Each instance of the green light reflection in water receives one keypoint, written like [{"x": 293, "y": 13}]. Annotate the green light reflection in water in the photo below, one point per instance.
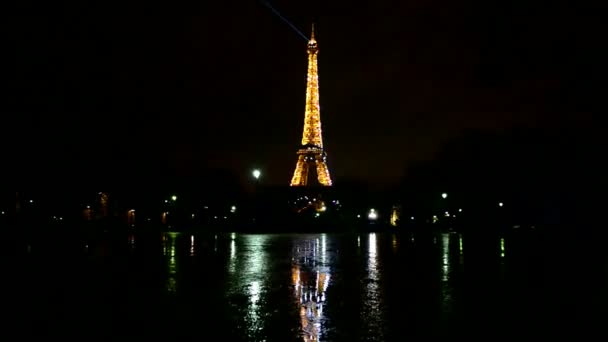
[{"x": 169, "y": 251}]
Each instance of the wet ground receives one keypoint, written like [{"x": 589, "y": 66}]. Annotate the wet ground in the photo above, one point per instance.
[{"x": 311, "y": 287}]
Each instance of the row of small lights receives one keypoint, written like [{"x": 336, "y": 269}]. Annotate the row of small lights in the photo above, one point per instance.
[
  {"x": 256, "y": 173},
  {"x": 373, "y": 214}
]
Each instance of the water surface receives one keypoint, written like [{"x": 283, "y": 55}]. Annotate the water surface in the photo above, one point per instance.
[{"x": 305, "y": 287}]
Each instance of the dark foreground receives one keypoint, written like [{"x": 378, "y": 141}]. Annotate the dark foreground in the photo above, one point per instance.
[{"x": 294, "y": 287}]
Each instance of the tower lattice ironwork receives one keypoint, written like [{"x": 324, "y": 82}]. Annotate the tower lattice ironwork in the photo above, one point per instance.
[{"x": 311, "y": 154}]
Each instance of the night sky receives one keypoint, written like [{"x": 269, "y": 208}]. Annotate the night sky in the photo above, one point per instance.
[{"x": 176, "y": 88}]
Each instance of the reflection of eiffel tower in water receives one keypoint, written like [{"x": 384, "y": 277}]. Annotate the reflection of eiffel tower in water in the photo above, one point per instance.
[
  {"x": 311, "y": 154},
  {"x": 310, "y": 286}
]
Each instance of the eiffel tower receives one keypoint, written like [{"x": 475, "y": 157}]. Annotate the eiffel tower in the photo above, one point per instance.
[{"x": 311, "y": 154}]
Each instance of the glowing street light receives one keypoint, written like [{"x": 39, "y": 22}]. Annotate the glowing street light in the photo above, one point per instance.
[
  {"x": 372, "y": 215},
  {"x": 174, "y": 198},
  {"x": 256, "y": 174},
  {"x": 444, "y": 195},
  {"x": 500, "y": 204}
]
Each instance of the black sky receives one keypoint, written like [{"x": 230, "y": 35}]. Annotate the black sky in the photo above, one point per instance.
[{"x": 173, "y": 87}]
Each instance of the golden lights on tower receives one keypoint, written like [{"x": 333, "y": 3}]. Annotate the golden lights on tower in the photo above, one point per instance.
[{"x": 312, "y": 153}]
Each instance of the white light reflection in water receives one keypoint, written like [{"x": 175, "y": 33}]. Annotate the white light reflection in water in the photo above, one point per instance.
[
  {"x": 254, "y": 293},
  {"x": 232, "y": 261},
  {"x": 373, "y": 249},
  {"x": 310, "y": 279},
  {"x": 192, "y": 251},
  {"x": 248, "y": 276},
  {"x": 445, "y": 259},
  {"x": 323, "y": 248},
  {"x": 446, "y": 271},
  {"x": 460, "y": 249},
  {"x": 372, "y": 310}
]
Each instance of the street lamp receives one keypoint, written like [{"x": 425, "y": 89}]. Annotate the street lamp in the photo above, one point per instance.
[
  {"x": 174, "y": 198},
  {"x": 444, "y": 195},
  {"x": 256, "y": 174}
]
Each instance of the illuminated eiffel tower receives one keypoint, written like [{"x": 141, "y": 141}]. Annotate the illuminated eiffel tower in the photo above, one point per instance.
[{"x": 311, "y": 154}]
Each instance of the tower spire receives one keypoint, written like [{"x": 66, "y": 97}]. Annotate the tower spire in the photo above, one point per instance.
[
  {"x": 311, "y": 154},
  {"x": 312, "y": 35}
]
